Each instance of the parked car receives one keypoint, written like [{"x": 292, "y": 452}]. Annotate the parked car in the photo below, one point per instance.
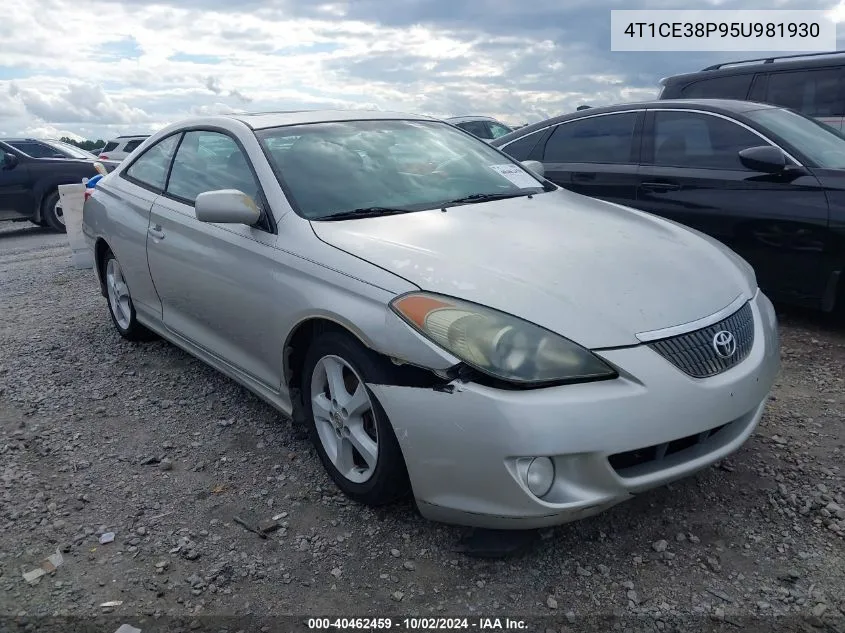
[
  {"x": 810, "y": 83},
  {"x": 29, "y": 185},
  {"x": 48, "y": 148},
  {"x": 766, "y": 181},
  {"x": 481, "y": 126},
  {"x": 119, "y": 148},
  {"x": 515, "y": 354}
]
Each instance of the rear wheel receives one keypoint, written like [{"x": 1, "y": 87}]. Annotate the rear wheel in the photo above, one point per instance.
[
  {"x": 52, "y": 213},
  {"x": 121, "y": 308},
  {"x": 350, "y": 430}
]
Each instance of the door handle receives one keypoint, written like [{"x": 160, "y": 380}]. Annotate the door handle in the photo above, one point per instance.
[
  {"x": 583, "y": 177},
  {"x": 157, "y": 232},
  {"x": 660, "y": 186}
]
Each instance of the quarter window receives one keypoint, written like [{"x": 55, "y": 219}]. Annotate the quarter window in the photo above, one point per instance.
[
  {"x": 209, "y": 161},
  {"x": 598, "y": 139},
  {"x": 109, "y": 147},
  {"x": 727, "y": 87},
  {"x": 521, "y": 148},
  {"x": 131, "y": 146},
  {"x": 811, "y": 92},
  {"x": 691, "y": 139},
  {"x": 150, "y": 168}
]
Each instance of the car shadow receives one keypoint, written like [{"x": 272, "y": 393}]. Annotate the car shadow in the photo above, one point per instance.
[
  {"x": 810, "y": 319},
  {"x": 28, "y": 229}
]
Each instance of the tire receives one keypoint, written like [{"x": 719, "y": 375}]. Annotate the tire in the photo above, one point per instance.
[
  {"x": 121, "y": 308},
  {"x": 370, "y": 481},
  {"x": 51, "y": 212}
]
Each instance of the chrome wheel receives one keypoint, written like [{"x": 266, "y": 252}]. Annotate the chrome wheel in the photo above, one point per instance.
[
  {"x": 344, "y": 419},
  {"x": 59, "y": 212},
  {"x": 119, "y": 300}
]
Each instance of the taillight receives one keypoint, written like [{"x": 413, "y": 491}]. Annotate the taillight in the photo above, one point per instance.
[
  {"x": 87, "y": 195},
  {"x": 103, "y": 157}
]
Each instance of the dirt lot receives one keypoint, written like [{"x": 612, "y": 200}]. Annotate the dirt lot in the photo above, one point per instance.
[{"x": 98, "y": 435}]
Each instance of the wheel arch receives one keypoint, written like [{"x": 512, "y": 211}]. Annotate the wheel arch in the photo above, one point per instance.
[
  {"x": 101, "y": 247},
  {"x": 308, "y": 328}
]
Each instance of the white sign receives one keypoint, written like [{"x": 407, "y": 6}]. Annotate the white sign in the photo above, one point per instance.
[
  {"x": 516, "y": 175},
  {"x": 722, "y": 30}
]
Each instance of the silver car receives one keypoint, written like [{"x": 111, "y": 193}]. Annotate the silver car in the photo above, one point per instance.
[{"x": 443, "y": 320}]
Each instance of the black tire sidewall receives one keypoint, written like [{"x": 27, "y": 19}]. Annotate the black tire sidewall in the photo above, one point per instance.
[
  {"x": 389, "y": 481},
  {"x": 48, "y": 213}
]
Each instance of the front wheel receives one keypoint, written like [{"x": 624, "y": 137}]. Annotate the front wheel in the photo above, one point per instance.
[
  {"x": 350, "y": 430},
  {"x": 52, "y": 213}
]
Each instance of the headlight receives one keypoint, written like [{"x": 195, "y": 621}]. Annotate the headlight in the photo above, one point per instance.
[{"x": 499, "y": 344}]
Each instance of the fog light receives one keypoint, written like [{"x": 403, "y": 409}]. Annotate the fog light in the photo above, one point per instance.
[{"x": 540, "y": 476}]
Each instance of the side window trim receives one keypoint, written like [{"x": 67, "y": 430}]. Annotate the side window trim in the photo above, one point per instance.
[
  {"x": 648, "y": 158},
  {"x": 262, "y": 197},
  {"x": 637, "y": 111},
  {"x": 145, "y": 185}
]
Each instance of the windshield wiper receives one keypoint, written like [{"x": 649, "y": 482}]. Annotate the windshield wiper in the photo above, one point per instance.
[
  {"x": 365, "y": 212},
  {"x": 487, "y": 197}
]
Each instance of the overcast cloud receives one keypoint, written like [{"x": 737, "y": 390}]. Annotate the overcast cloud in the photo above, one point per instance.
[{"x": 98, "y": 69}]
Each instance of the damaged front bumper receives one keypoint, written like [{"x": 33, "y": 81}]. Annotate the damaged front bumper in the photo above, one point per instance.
[{"x": 607, "y": 440}]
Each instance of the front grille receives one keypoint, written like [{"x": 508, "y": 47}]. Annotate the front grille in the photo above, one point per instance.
[{"x": 695, "y": 353}]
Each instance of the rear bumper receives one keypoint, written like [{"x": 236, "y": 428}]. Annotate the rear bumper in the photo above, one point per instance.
[{"x": 463, "y": 449}]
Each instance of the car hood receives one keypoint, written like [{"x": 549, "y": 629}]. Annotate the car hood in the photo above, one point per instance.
[{"x": 595, "y": 272}]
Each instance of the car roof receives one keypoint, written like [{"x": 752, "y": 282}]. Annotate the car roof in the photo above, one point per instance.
[
  {"x": 21, "y": 139},
  {"x": 263, "y": 120},
  {"x": 730, "y": 106},
  {"x": 768, "y": 64}
]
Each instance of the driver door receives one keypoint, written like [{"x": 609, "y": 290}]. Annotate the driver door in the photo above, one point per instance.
[{"x": 216, "y": 281}]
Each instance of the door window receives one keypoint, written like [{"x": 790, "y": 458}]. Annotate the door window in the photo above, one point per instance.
[
  {"x": 692, "y": 139},
  {"x": 150, "y": 168},
  {"x": 476, "y": 128},
  {"x": 34, "y": 149},
  {"x": 209, "y": 161},
  {"x": 726, "y": 87},
  {"x": 812, "y": 92},
  {"x": 598, "y": 139}
]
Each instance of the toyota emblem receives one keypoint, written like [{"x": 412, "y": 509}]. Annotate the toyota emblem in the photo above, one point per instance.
[{"x": 724, "y": 343}]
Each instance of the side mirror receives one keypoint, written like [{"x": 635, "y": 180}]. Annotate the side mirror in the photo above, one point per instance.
[
  {"x": 535, "y": 166},
  {"x": 227, "y": 206},
  {"x": 10, "y": 161},
  {"x": 768, "y": 159}
]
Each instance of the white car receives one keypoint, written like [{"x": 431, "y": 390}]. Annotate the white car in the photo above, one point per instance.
[
  {"x": 512, "y": 354},
  {"x": 119, "y": 148}
]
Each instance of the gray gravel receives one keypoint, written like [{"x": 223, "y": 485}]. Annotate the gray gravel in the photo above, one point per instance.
[{"x": 101, "y": 436}]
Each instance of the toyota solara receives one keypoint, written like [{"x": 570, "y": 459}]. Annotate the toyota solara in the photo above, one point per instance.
[{"x": 443, "y": 320}]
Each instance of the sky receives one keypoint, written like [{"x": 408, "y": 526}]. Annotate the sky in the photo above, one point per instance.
[{"x": 98, "y": 69}]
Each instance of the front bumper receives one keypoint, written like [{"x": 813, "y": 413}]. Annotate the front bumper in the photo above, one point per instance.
[{"x": 462, "y": 448}]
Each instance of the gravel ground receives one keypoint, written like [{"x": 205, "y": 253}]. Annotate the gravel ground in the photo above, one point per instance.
[{"x": 100, "y": 436}]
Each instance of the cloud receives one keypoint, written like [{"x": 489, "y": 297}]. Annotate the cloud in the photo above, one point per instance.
[{"x": 150, "y": 62}]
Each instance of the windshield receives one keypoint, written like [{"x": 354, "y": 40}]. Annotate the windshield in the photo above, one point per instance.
[
  {"x": 338, "y": 167},
  {"x": 819, "y": 142},
  {"x": 69, "y": 150}
]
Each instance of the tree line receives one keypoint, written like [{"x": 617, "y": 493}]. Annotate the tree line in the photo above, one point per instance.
[{"x": 86, "y": 145}]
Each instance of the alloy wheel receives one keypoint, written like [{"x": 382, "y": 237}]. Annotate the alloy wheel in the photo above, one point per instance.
[
  {"x": 344, "y": 418},
  {"x": 118, "y": 291}
]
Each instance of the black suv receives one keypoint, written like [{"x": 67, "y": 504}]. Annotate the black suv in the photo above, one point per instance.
[
  {"x": 29, "y": 186},
  {"x": 811, "y": 84},
  {"x": 766, "y": 181}
]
